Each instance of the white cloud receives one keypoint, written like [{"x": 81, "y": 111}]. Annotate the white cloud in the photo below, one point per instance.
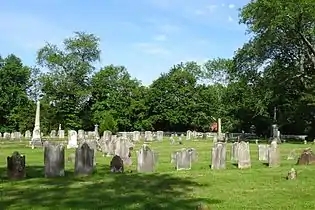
[
  {"x": 212, "y": 7},
  {"x": 230, "y": 19},
  {"x": 223, "y": 5},
  {"x": 29, "y": 32},
  {"x": 151, "y": 48},
  {"x": 199, "y": 12},
  {"x": 160, "y": 37},
  {"x": 231, "y": 6}
]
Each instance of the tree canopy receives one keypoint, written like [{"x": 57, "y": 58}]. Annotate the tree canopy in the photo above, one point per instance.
[{"x": 274, "y": 69}]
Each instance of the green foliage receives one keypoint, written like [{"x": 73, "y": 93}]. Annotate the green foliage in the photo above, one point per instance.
[{"x": 275, "y": 68}]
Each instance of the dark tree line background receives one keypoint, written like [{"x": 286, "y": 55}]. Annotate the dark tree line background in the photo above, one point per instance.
[{"x": 274, "y": 69}]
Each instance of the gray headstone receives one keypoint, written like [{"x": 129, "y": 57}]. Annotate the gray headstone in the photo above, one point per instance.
[
  {"x": 262, "y": 152},
  {"x": 244, "y": 155},
  {"x": 147, "y": 159},
  {"x": 183, "y": 160},
  {"x": 16, "y": 166},
  {"x": 234, "y": 152},
  {"x": 274, "y": 155},
  {"x": 84, "y": 157},
  {"x": 54, "y": 158},
  {"x": 218, "y": 155}
]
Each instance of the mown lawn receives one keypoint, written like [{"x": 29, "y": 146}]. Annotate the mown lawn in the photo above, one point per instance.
[{"x": 257, "y": 188}]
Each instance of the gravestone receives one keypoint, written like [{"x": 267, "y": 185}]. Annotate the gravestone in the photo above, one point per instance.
[
  {"x": 183, "y": 160},
  {"x": 218, "y": 155},
  {"x": 81, "y": 135},
  {"x": 147, "y": 159},
  {"x": 7, "y": 135},
  {"x": 122, "y": 149},
  {"x": 93, "y": 145},
  {"x": 16, "y": 166},
  {"x": 28, "y": 134},
  {"x": 72, "y": 139},
  {"x": 188, "y": 135},
  {"x": 172, "y": 140},
  {"x": 53, "y": 134},
  {"x": 159, "y": 135},
  {"x": 136, "y": 136},
  {"x": 148, "y": 136},
  {"x": 117, "y": 165},
  {"x": 84, "y": 157},
  {"x": 274, "y": 154},
  {"x": 234, "y": 151},
  {"x": 54, "y": 159},
  {"x": 244, "y": 155},
  {"x": 307, "y": 157},
  {"x": 263, "y": 152}
]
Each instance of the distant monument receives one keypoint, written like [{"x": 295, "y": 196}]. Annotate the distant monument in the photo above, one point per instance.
[{"x": 36, "y": 137}]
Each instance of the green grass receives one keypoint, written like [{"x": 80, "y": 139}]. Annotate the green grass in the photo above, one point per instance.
[{"x": 257, "y": 188}]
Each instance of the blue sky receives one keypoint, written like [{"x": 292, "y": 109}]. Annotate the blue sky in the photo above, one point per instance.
[{"x": 146, "y": 36}]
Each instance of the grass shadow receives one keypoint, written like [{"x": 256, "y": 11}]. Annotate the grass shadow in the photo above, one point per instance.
[{"x": 101, "y": 190}]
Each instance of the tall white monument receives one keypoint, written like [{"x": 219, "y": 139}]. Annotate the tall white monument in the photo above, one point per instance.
[{"x": 36, "y": 138}]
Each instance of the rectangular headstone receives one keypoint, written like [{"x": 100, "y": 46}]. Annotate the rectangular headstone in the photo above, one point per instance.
[
  {"x": 147, "y": 159},
  {"x": 54, "y": 158},
  {"x": 262, "y": 152},
  {"x": 84, "y": 157},
  {"x": 244, "y": 155},
  {"x": 218, "y": 156}
]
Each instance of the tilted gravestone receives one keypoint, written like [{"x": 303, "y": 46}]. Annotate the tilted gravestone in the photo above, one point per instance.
[
  {"x": 16, "y": 166},
  {"x": 84, "y": 157},
  {"x": 54, "y": 159},
  {"x": 147, "y": 159},
  {"x": 218, "y": 156}
]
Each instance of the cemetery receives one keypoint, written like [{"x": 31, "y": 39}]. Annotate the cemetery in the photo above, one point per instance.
[{"x": 233, "y": 128}]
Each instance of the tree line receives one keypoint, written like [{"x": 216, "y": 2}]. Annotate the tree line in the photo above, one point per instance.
[{"x": 274, "y": 70}]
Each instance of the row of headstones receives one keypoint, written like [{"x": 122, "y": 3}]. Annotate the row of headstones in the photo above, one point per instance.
[
  {"x": 240, "y": 153},
  {"x": 13, "y": 135},
  {"x": 54, "y": 161}
]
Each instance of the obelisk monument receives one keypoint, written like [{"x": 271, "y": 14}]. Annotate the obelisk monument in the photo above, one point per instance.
[{"x": 36, "y": 138}]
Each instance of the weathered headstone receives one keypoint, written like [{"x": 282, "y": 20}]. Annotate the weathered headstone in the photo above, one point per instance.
[
  {"x": 159, "y": 135},
  {"x": 54, "y": 158},
  {"x": 117, "y": 165},
  {"x": 218, "y": 155},
  {"x": 234, "y": 151},
  {"x": 274, "y": 154},
  {"x": 72, "y": 139},
  {"x": 53, "y": 134},
  {"x": 147, "y": 159},
  {"x": 244, "y": 155},
  {"x": 263, "y": 152},
  {"x": 16, "y": 166},
  {"x": 183, "y": 160},
  {"x": 84, "y": 157},
  {"x": 28, "y": 134},
  {"x": 307, "y": 157}
]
